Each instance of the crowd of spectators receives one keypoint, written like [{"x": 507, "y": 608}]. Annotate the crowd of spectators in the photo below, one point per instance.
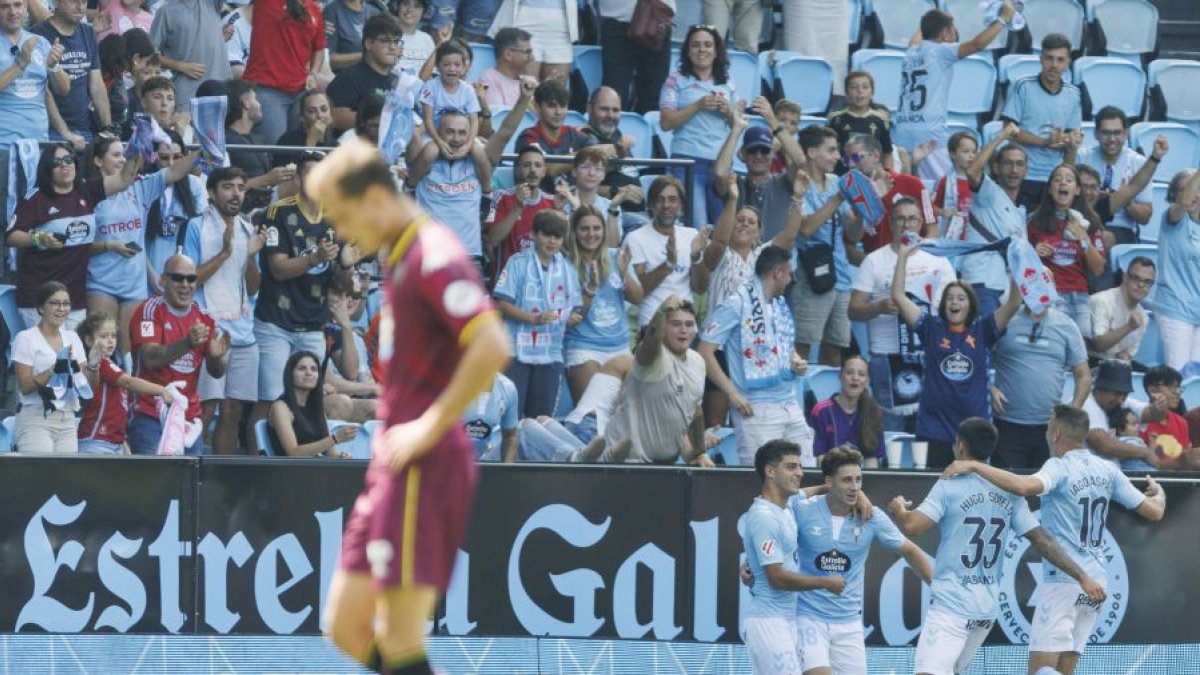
[{"x": 649, "y": 313}]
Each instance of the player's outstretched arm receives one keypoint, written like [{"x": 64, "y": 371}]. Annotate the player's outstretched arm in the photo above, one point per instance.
[
  {"x": 1155, "y": 506},
  {"x": 1045, "y": 544},
  {"x": 791, "y": 581},
  {"x": 1026, "y": 486},
  {"x": 911, "y": 523},
  {"x": 918, "y": 560}
]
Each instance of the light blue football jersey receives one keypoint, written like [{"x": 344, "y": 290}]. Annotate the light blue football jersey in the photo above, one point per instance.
[{"x": 769, "y": 538}]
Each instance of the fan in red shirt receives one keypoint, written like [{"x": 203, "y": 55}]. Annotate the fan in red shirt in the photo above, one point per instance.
[
  {"x": 442, "y": 343},
  {"x": 171, "y": 339},
  {"x": 1165, "y": 381},
  {"x": 864, "y": 153},
  {"x": 1068, "y": 237},
  {"x": 289, "y": 50},
  {"x": 511, "y": 230}
]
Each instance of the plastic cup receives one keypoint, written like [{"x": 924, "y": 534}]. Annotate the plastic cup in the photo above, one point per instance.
[
  {"x": 920, "y": 451},
  {"x": 895, "y": 454}
]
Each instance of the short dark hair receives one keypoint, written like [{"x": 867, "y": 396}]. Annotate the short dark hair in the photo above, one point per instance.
[
  {"x": 381, "y": 25},
  {"x": 47, "y": 290},
  {"x": 453, "y": 46},
  {"x": 1056, "y": 41},
  {"x": 857, "y": 74},
  {"x": 138, "y": 43},
  {"x": 663, "y": 182},
  {"x": 1116, "y": 416},
  {"x": 1072, "y": 421},
  {"x": 770, "y": 258},
  {"x": 1141, "y": 261},
  {"x": 155, "y": 83},
  {"x": 235, "y": 90},
  {"x": 838, "y": 457},
  {"x": 814, "y": 136},
  {"x": 550, "y": 221},
  {"x": 507, "y": 38},
  {"x": 551, "y": 91},
  {"x": 979, "y": 436},
  {"x": 933, "y": 22},
  {"x": 531, "y": 147},
  {"x": 1010, "y": 147},
  {"x": 222, "y": 174},
  {"x": 1112, "y": 112},
  {"x": 772, "y": 453},
  {"x": 1160, "y": 375}
]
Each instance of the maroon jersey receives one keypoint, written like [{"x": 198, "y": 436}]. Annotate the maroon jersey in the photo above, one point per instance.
[
  {"x": 105, "y": 416},
  {"x": 71, "y": 218},
  {"x": 154, "y": 322}
]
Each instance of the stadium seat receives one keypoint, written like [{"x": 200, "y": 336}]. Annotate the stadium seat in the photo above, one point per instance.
[
  {"x": 358, "y": 447},
  {"x": 483, "y": 57},
  {"x": 1013, "y": 67},
  {"x": 1190, "y": 393},
  {"x": 7, "y": 442},
  {"x": 885, "y": 66},
  {"x": 968, "y": 18},
  {"x": 823, "y": 381},
  {"x": 906, "y": 439},
  {"x": 1184, "y": 141},
  {"x": 990, "y": 129},
  {"x": 1121, "y": 254},
  {"x": 727, "y": 449},
  {"x": 807, "y": 80},
  {"x": 527, "y": 120},
  {"x": 588, "y": 63},
  {"x": 856, "y": 15},
  {"x": 743, "y": 74},
  {"x": 1176, "y": 79},
  {"x": 973, "y": 88},
  {"x": 859, "y": 330},
  {"x": 1149, "y": 231},
  {"x": 1054, "y": 16},
  {"x": 1111, "y": 81},
  {"x": 901, "y": 19},
  {"x": 1150, "y": 351},
  {"x": 766, "y": 67},
  {"x": 810, "y": 120},
  {"x": 1130, "y": 28},
  {"x": 664, "y": 137},
  {"x": 263, "y": 439},
  {"x": 1139, "y": 386},
  {"x": 687, "y": 14},
  {"x": 636, "y": 127},
  {"x": 575, "y": 119},
  {"x": 502, "y": 177}
]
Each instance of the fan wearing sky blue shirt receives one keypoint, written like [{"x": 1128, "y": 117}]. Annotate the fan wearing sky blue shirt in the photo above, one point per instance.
[
  {"x": 834, "y": 541},
  {"x": 926, "y": 75},
  {"x": 769, "y": 541},
  {"x": 976, "y": 520},
  {"x": 1076, "y": 488},
  {"x": 491, "y": 422}
]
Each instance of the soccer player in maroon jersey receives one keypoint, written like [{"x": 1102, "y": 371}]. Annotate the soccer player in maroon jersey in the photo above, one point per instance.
[{"x": 403, "y": 534}]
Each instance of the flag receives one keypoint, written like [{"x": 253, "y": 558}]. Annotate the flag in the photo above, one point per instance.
[{"x": 208, "y": 120}]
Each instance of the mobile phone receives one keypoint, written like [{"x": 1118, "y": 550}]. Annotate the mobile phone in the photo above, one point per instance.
[
  {"x": 133, "y": 245},
  {"x": 61, "y": 236}
]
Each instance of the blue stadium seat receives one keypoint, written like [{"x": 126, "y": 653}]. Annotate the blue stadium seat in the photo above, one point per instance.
[
  {"x": 358, "y": 447},
  {"x": 1184, "y": 141},
  {"x": 1013, "y": 67},
  {"x": 483, "y": 57},
  {"x": 900, "y": 19},
  {"x": 810, "y": 120},
  {"x": 687, "y": 14},
  {"x": 1149, "y": 231},
  {"x": 1138, "y": 380},
  {"x": 1054, "y": 16},
  {"x": 502, "y": 177},
  {"x": 664, "y": 137},
  {"x": 974, "y": 87},
  {"x": 727, "y": 449},
  {"x": 1112, "y": 81},
  {"x": 823, "y": 381},
  {"x": 575, "y": 119},
  {"x": 589, "y": 64},
  {"x": 636, "y": 126},
  {"x": 527, "y": 120},
  {"x": 1130, "y": 27},
  {"x": 766, "y": 67},
  {"x": 646, "y": 180},
  {"x": 1177, "y": 79},
  {"x": 1150, "y": 351},
  {"x": 885, "y": 66},
  {"x": 743, "y": 74},
  {"x": 968, "y": 18},
  {"x": 1121, "y": 254},
  {"x": 1191, "y": 392},
  {"x": 263, "y": 439},
  {"x": 807, "y": 80},
  {"x": 856, "y": 15},
  {"x": 990, "y": 129},
  {"x": 6, "y": 435}
]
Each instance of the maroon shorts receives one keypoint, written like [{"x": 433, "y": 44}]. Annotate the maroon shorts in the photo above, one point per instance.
[{"x": 406, "y": 527}]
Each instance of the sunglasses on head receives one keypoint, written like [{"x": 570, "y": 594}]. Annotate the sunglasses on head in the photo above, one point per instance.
[
  {"x": 66, "y": 160},
  {"x": 181, "y": 278}
]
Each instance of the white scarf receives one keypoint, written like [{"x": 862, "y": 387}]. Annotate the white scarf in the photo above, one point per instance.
[
  {"x": 225, "y": 297},
  {"x": 767, "y": 337}
]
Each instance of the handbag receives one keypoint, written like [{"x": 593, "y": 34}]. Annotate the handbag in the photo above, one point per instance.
[
  {"x": 818, "y": 264},
  {"x": 650, "y": 25}
]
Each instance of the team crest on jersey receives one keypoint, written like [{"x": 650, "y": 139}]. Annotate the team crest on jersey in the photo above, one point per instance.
[
  {"x": 767, "y": 547},
  {"x": 462, "y": 298},
  {"x": 272, "y": 236},
  {"x": 1022, "y": 579},
  {"x": 147, "y": 328}
]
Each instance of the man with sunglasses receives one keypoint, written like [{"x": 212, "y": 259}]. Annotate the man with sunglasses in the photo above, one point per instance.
[
  {"x": 381, "y": 49},
  {"x": 171, "y": 339},
  {"x": 865, "y": 153}
]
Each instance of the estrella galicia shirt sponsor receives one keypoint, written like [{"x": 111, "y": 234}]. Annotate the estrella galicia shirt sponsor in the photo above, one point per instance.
[
  {"x": 298, "y": 304},
  {"x": 955, "y": 383}
]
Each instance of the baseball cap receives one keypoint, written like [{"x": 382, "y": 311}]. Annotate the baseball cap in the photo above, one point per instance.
[{"x": 757, "y": 137}]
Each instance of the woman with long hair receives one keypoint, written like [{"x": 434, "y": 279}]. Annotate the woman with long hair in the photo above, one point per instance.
[
  {"x": 55, "y": 227},
  {"x": 1069, "y": 238},
  {"x": 296, "y": 421},
  {"x": 851, "y": 416},
  {"x": 47, "y": 358},
  {"x": 116, "y": 279},
  {"x": 288, "y": 55},
  {"x": 957, "y": 345},
  {"x": 695, "y": 104},
  {"x": 608, "y": 283},
  {"x": 168, "y": 216}
]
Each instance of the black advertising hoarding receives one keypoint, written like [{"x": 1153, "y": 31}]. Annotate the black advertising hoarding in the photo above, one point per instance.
[
  {"x": 248, "y": 547},
  {"x": 97, "y": 544}
]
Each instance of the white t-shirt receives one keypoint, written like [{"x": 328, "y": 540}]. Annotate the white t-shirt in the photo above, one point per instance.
[
  {"x": 649, "y": 247},
  {"x": 926, "y": 276},
  {"x": 31, "y": 349},
  {"x": 656, "y": 406},
  {"x": 731, "y": 274},
  {"x": 1108, "y": 310},
  {"x": 417, "y": 48}
]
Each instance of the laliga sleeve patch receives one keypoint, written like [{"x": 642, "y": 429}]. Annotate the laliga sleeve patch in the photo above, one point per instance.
[
  {"x": 272, "y": 236},
  {"x": 462, "y": 298},
  {"x": 147, "y": 329},
  {"x": 767, "y": 547}
]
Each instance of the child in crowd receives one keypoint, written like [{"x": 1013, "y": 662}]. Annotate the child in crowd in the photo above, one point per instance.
[
  {"x": 449, "y": 91},
  {"x": 788, "y": 113},
  {"x": 123, "y": 15},
  {"x": 538, "y": 293},
  {"x": 105, "y": 417},
  {"x": 953, "y": 199},
  {"x": 550, "y": 101},
  {"x": 862, "y": 115},
  {"x": 1124, "y": 425}
]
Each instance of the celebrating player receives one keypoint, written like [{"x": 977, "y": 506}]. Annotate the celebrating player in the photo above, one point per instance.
[
  {"x": 976, "y": 520},
  {"x": 835, "y": 541},
  {"x": 769, "y": 539},
  {"x": 1076, "y": 487},
  {"x": 402, "y": 537}
]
